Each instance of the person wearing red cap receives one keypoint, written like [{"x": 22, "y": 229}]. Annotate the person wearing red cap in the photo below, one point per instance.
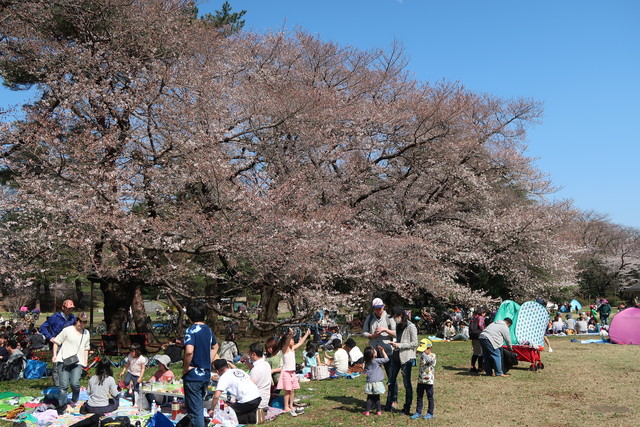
[
  {"x": 55, "y": 324},
  {"x": 605, "y": 312}
]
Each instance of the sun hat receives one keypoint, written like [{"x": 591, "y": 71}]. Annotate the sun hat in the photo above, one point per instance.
[
  {"x": 164, "y": 359},
  {"x": 424, "y": 344},
  {"x": 377, "y": 303}
]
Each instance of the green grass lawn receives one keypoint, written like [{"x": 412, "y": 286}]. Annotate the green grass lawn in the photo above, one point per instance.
[{"x": 582, "y": 384}]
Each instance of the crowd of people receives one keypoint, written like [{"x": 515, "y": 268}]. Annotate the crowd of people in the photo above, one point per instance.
[{"x": 393, "y": 350}]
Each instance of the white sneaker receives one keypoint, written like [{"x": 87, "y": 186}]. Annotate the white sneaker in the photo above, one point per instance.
[
  {"x": 550, "y": 350},
  {"x": 293, "y": 413}
]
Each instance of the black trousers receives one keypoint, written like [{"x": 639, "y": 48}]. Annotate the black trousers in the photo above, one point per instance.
[
  {"x": 246, "y": 412},
  {"x": 420, "y": 391}
]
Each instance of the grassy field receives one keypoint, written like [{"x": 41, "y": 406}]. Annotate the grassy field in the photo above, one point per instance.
[{"x": 582, "y": 384}]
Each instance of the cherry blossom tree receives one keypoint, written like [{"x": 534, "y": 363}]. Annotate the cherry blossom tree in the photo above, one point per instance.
[{"x": 162, "y": 152}]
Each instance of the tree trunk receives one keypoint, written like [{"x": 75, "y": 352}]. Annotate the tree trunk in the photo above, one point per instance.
[
  {"x": 79, "y": 293},
  {"x": 47, "y": 298},
  {"x": 178, "y": 306},
  {"x": 140, "y": 319},
  {"x": 212, "y": 317},
  {"x": 268, "y": 309},
  {"x": 117, "y": 300}
]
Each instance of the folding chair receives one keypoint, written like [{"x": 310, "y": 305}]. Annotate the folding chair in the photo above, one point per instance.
[{"x": 141, "y": 339}]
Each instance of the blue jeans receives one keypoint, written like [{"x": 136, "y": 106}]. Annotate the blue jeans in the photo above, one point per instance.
[
  {"x": 394, "y": 369},
  {"x": 492, "y": 357},
  {"x": 70, "y": 375},
  {"x": 194, "y": 392}
]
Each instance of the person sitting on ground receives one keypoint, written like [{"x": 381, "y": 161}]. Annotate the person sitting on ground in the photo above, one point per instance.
[
  {"x": 311, "y": 357},
  {"x": 592, "y": 326},
  {"x": 23, "y": 346},
  {"x": 174, "y": 350},
  {"x": 340, "y": 359},
  {"x": 37, "y": 340},
  {"x": 582, "y": 326},
  {"x": 558, "y": 325},
  {"x": 103, "y": 392},
  {"x": 229, "y": 348},
  {"x": 10, "y": 370},
  {"x": 448, "y": 331},
  {"x": 238, "y": 383},
  {"x": 463, "y": 332},
  {"x": 162, "y": 375},
  {"x": 571, "y": 325},
  {"x": 356, "y": 358},
  {"x": 4, "y": 353},
  {"x": 260, "y": 373}
]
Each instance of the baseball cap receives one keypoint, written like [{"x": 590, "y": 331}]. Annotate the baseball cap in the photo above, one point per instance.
[
  {"x": 377, "y": 303},
  {"x": 68, "y": 304},
  {"x": 424, "y": 343}
]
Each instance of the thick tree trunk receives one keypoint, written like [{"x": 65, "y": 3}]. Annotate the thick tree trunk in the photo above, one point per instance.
[
  {"x": 212, "y": 317},
  {"x": 117, "y": 300},
  {"x": 268, "y": 310},
  {"x": 140, "y": 319}
]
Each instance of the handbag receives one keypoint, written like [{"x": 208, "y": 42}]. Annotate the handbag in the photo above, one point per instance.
[{"x": 72, "y": 360}]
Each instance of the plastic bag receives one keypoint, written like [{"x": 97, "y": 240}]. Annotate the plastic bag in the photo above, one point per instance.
[
  {"x": 226, "y": 417},
  {"x": 159, "y": 420},
  {"x": 35, "y": 369}
]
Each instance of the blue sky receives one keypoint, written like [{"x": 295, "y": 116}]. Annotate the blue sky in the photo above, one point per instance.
[{"x": 580, "y": 58}]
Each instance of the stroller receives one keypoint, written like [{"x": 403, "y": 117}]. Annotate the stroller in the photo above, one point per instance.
[{"x": 529, "y": 354}]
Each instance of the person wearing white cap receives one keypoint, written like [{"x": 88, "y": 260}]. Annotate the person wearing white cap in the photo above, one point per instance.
[{"x": 380, "y": 329}]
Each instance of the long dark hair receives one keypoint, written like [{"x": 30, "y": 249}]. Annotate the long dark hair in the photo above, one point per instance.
[
  {"x": 311, "y": 349},
  {"x": 404, "y": 321},
  {"x": 368, "y": 353},
  {"x": 103, "y": 370}
]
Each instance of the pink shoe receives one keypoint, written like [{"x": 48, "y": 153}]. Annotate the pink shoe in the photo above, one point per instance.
[
  {"x": 378, "y": 413},
  {"x": 365, "y": 413}
]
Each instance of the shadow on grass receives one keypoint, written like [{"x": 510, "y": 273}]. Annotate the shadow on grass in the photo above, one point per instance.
[
  {"x": 349, "y": 403},
  {"x": 462, "y": 371}
]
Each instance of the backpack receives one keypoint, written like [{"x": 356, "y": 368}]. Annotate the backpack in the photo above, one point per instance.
[{"x": 474, "y": 328}]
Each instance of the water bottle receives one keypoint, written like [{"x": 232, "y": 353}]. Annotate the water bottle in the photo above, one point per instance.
[{"x": 154, "y": 407}]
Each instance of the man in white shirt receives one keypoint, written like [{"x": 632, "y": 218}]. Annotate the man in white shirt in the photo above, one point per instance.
[
  {"x": 238, "y": 383},
  {"x": 260, "y": 373}
]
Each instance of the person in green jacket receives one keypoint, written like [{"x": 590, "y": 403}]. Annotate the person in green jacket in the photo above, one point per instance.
[{"x": 605, "y": 311}]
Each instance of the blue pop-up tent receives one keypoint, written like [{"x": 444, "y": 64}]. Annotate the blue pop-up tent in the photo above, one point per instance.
[{"x": 575, "y": 305}]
